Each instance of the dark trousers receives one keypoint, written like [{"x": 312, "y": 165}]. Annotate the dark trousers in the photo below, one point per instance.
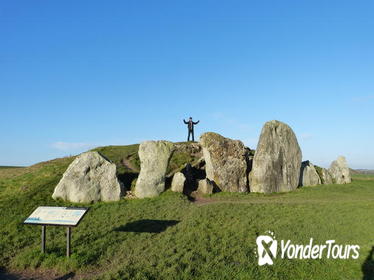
[{"x": 190, "y": 132}]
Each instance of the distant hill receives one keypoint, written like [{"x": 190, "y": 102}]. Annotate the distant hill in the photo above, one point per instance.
[{"x": 363, "y": 171}]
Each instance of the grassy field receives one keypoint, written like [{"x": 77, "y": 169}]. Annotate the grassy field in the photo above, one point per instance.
[{"x": 169, "y": 237}]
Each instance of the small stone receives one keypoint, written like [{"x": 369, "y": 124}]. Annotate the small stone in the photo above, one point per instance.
[
  {"x": 177, "y": 184},
  {"x": 205, "y": 186}
]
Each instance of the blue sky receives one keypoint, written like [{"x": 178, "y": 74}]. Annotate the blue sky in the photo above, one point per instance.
[{"x": 79, "y": 74}]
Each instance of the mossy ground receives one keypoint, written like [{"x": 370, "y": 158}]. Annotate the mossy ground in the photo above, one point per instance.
[{"x": 169, "y": 237}]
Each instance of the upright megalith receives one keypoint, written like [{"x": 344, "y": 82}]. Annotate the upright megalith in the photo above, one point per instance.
[
  {"x": 178, "y": 182},
  {"x": 309, "y": 175},
  {"x": 154, "y": 159},
  {"x": 225, "y": 161},
  {"x": 326, "y": 177},
  {"x": 339, "y": 171},
  {"x": 89, "y": 178},
  {"x": 277, "y": 160}
]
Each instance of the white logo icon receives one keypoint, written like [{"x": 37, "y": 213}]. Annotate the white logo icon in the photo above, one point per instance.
[{"x": 266, "y": 248}]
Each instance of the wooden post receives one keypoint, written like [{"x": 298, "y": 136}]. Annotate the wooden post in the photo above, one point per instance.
[
  {"x": 43, "y": 239},
  {"x": 68, "y": 237}
]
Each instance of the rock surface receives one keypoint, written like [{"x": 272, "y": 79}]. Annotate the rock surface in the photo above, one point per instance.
[
  {"x": 205, "y": 186},
  {"x": 191, "y": 148},
  {"x": 309, "y": 175},
  {"x": 326, "y": 177},
  {"x": 339, "y": 171},
  {"x": 89, "y": 178},
  {"x": 277, "y": 160},
  {"x": 225, "y": 162},
  {"x": 177, "y": 184},
  {"x": 154, "y": 159}
]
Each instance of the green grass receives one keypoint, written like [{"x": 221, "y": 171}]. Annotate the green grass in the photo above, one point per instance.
[
  {"x": 118, "y": 154},
  {"x": 127, "y": 161},
  {"x": 169, "y": 237},
  {"x": 363, "y": 176}
]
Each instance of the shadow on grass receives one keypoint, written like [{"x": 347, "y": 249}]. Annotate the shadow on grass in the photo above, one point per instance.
[
  {"x": 8, "y": 276},
  {"x": 66, "y": 276},
  {"x": 4, "y": 275},
  {"x": 151, "y": 226},
  {"x": 368, "y": 266}
]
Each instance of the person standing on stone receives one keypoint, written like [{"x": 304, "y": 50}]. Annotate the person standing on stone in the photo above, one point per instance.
[{"x": 190, "y": 125}]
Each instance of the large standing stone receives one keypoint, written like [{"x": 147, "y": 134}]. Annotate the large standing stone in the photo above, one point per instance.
[
  {"x": 89, "y": 178},
  {"x": 277, "y": 160},
  {"x": 225, "y": 162},
  {"x": 326, "y": 177},
  {"x": 177, "y": 184},
  {"x": 154, "y": 159},
  {"x": 309, "y": 175},
  {"x": 339, "y": 171}
]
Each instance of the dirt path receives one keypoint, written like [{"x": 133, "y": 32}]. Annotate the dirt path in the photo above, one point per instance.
[
  {"x": 204, "y": 200},
  {"x": 127, "y": 163},
  {"x": 201, "y": 201}
]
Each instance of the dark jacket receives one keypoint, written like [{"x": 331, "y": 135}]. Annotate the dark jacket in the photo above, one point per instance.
[{"x": 190, "y": 124}]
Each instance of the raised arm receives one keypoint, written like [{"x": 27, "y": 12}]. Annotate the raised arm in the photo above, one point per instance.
[
  {"x": 185, "y": 121},
  {"x": 196, "y": 122}
]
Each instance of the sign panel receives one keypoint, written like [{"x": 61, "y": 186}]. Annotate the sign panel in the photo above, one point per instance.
[{"x": 58, "y": 216}]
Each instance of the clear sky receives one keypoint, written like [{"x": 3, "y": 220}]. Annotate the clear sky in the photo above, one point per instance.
[{"x": 79, "y": 74}]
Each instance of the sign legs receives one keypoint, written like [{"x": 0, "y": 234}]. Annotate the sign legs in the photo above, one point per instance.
[
  {"x": 43, "y": 239},
  {"x": 68, "y": 238}
]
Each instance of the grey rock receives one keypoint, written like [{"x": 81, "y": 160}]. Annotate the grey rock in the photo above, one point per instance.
[
  {"x": 205, "y": 186},
  {"x": 326, "y": 177},
  {"x": 277, "y": 160},
  {"x": 191, "y": 148},
  {"x": 225, "y": 162},
  {"x": 177, "y": 184},
  {"x": 340, "y": 172},
  {"x": 89, "y": 178},
  {"x": 309, "y": 175},
  {"x": 154, "y": 159}
]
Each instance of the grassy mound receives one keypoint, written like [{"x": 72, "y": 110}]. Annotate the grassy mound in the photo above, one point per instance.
[
  {"x": 169, "y": 237},
  {"x": 128, "y": 163}
]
